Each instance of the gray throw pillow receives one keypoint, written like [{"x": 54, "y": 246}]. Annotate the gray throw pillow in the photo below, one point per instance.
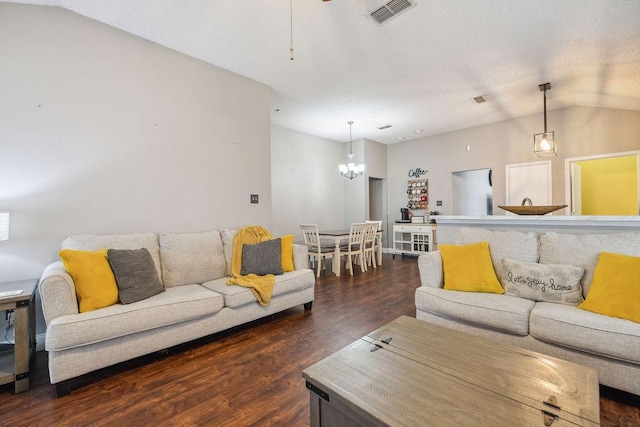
[
  {"x": 542, "y": 282},
  {"x": 262, "y": 258},
  {"x": 135, "y": 274}
]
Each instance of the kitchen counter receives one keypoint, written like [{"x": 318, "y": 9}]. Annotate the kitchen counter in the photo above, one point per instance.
[{"x": 448, "y": 224}]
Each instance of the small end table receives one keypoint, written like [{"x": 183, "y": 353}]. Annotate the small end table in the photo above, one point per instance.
[{"x": 14, "y": 363}]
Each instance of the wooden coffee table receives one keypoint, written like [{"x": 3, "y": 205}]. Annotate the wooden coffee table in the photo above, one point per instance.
[{"x": 414, "y": 373}]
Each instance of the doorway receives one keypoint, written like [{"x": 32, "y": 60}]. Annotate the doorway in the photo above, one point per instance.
[
  {"x": 603, "y": 185},
  {"x": 377, "y": 203}
]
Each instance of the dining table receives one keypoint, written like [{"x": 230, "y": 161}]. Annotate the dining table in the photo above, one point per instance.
[{"x": 343, "y": 234}]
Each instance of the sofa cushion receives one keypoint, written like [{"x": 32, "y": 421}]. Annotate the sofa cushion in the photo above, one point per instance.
[
  {"x": 542, "y": 282},
  {"x": 584, "y": 249},
  {"x": 135, "y": 274},
  {"x": 502, "y": 312},
  {"x": 227, "y": 245},
  {"x": 568, "y": 326},
  {"x": 175, "y": 305},
  {"x": 191, "y": 258},
  {"x": 615, "y": 290},
  {"x": 262, "y": 258},
  {"x": 94, "y": 242},
  {"x": 468, "y": 268},
  {"x": 502, "y": 244},
  {"x": 237, "y": 296},
  {"x": 93, "y": 279}
]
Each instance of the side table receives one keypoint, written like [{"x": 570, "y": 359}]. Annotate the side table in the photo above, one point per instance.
[{"x": 14, "y": 363}]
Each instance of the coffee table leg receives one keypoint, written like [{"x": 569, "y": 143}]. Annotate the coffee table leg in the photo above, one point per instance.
[{"x": 314, "y": 407}]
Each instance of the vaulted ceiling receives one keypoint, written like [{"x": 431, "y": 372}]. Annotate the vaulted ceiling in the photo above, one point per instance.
[{"x": 417, "y": 72}]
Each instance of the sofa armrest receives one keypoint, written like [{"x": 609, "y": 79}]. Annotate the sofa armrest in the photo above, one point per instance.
[
  {"x": 57, "y": 292},
  {"x": 300, "y": 257},
  {"x": 430, "y": 267}
]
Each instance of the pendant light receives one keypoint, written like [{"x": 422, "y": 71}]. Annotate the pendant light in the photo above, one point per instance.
[
  {"x": 544, "y": 144},
  {"x": 351, "y": 169}
]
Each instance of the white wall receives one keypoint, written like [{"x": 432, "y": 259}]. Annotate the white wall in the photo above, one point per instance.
[
  {"x": 104, "y": 132},
  {"x": 374, "y": 156},
  {"x": 581, "y": 131},
  {"x": 306, "y": 184}
]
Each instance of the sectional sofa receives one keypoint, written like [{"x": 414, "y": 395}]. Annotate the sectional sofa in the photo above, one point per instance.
[
  {"x": 195, "y": 302},
  {"x": 611, "y": 345}
]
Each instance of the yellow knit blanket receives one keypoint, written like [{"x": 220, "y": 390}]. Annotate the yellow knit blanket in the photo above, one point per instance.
[{"x": 261, "y": 286}]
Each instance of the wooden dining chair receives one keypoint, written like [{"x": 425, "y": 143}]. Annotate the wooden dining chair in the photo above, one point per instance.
[
  {"x": 354, "y": 249},
  {"x": 378, "y": 240},
  {"x": 317, "y": 251},
  {"x": 369, "y": 244}
]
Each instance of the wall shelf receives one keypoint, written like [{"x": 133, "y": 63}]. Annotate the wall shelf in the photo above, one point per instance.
[{"x": 418, "y": 194}]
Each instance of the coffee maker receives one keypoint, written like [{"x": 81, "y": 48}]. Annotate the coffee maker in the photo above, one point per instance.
[{"x": 405, "y": 214}]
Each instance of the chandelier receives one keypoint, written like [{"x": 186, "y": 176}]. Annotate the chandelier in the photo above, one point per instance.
[
  {"x": 544, "y": 144},
  {"x": 351, "y": 169}
]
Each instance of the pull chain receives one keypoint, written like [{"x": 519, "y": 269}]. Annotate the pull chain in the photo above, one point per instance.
[{"x": 291, "y": 48}]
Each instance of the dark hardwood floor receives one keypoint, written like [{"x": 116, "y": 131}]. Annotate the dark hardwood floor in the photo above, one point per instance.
[{"x": 250, "y": 375}]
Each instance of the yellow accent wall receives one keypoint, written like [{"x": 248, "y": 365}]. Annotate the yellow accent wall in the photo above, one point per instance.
[{"x": 610, "y": 186}]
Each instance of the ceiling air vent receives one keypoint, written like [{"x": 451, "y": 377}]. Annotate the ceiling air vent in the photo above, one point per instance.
[
  {"x": 390, "y": 10},
  {"x": 480, "y": 99},
  {"x": 384, "y": 127}
]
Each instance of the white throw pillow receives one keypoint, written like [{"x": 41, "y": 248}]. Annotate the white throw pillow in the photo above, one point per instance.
[{"x": 542, "y": 282}]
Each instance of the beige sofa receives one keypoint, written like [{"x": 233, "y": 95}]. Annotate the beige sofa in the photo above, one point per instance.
[
  {"x": 196, "y": 302},
  {"x": 608, "y": 344}
]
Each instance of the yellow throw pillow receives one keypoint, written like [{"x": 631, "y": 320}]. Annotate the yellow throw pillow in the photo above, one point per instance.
[
  {"x": 95, "y": 284},
  {"x": 468, "y": 268},
  {"x": 287, "y": 252},
  {"x": 615, "y": 289}
]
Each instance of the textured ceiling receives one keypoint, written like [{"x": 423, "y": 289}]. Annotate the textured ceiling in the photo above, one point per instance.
[{"x": 419, "y": 70}]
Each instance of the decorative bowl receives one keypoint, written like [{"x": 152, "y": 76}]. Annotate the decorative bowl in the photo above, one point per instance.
[{"x": 532, "y": 210}]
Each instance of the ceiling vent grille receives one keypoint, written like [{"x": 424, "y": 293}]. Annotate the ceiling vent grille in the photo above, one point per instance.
[
  {"x": 480, "y": 99},
  {"x": 390, "y": 10}
]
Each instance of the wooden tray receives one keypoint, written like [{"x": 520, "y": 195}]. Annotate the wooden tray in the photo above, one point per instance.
[{"x": 532, "y": 210}]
